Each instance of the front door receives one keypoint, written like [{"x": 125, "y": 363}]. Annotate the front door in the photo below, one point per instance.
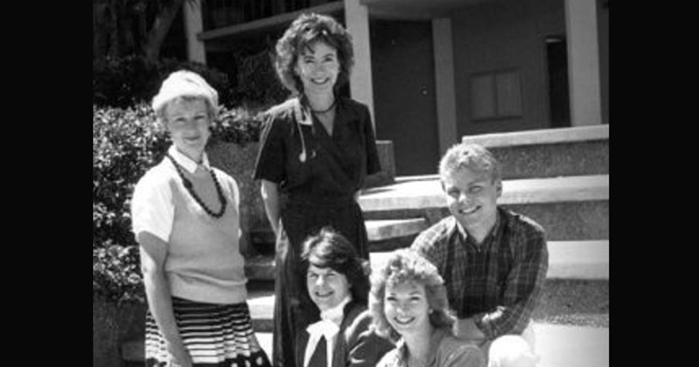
[{"x": 404, "y": 93}]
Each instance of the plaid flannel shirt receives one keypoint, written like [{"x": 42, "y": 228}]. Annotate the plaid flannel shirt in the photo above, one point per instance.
[{"x": 497, "y": 283}]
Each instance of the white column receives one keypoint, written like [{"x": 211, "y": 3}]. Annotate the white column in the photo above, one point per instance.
[
  {"x": 194, "y": 25},
  {"x": 583, "y": 62},
  {"x": 444, "y": 80},
  {"x": 357, "y": 21}
]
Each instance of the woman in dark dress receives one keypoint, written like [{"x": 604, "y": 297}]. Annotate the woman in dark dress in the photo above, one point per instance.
[{"x": 316, "y": 150}]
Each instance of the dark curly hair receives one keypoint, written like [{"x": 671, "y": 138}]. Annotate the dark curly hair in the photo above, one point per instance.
[
  {"x": 307, "y": 29},
  {"x": 330, "y": 249}
]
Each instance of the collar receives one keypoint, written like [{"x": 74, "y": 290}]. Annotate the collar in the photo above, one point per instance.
[
  {"x": 455, "y": 227},
  {"x": 336, "y": 314},
  {"x": 328, "y": 327},
  {"x": 435, "y": 340},
  {"x": 187, "y": 162},
  {"x": 302, "y": 112}
]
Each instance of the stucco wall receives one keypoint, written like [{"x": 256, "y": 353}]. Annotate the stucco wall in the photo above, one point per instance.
[{"x": 506, "y": 35}]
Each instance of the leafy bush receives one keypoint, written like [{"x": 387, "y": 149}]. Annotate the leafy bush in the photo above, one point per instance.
[
  {"x": 125, "y": 144},
  {"x": 123, "y": 82}
]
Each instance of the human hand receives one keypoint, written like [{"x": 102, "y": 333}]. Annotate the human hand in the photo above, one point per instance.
[{"x": 179, "y": 354}]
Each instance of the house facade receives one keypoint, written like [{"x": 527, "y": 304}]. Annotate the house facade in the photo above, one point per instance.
[{"x": 432, "y": 71}]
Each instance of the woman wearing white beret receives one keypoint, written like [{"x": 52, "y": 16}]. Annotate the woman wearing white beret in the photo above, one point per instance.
[{"x": 186, "y": 220}]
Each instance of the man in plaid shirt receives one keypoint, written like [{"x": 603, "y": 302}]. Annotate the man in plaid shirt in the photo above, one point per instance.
[{"x": 493, "y": 261}]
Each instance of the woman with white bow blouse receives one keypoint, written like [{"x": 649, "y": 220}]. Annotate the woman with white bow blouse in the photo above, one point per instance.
[{"x": 338, "y": 284}]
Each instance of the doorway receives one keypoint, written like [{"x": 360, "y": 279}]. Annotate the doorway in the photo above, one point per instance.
[
  {"x": 559, "y": 94},
  {"x": 404, "y": 93}
]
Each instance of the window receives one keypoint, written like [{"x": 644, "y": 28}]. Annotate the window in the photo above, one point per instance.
[{"x": 496, "y": 95}]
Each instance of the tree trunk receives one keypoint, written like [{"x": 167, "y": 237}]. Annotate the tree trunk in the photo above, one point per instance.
[
  {"x": 98, "y": 31},
  {"x": 113, "y": 28},
  {"x": 160, "y": 28}
]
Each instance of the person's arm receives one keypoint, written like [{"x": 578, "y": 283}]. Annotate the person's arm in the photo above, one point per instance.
[
  {"x": 522, "y": 292},
  {"x": 153, "y": 252},
  {"x": 372, "y": 154},
  {"x": 270, "y": 197}
]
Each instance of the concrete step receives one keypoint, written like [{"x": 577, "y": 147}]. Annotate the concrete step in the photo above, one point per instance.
[
  {"x": 384, "y": 229},
  {"x": 579, "y": 259},
  {"x": 260, "y": 267},
  {"x": 569, "y": 208},
  {"x": 574, "y": 151},
  {"x": 377, "y": 230},
  {"x": 384, "y": 235},
  {"x": 425, "y": 192},
  {"x": 567, "y": 260}
]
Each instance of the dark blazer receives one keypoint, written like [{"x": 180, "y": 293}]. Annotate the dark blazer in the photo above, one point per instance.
[{"x": 356, "y": 345}]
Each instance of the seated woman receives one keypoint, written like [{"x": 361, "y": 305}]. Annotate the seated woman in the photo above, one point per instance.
[
  {"x": 338, "y": 284},
  {"x": 409, "y": 305}
]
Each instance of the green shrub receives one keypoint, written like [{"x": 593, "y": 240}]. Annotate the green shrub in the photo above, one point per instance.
[{"x": 125, "y": 144}]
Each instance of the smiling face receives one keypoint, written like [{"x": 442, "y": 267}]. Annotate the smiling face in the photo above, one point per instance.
[
  {"x": 326, "y": 287},
  {"x": 407, "y": 308},
  {"x": 471, "y": 198},
  {"x": 188, "y": 122},
  {"x": 318, "y": 67}
]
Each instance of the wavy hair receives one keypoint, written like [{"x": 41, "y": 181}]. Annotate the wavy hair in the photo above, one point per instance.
[
  {"x": 330, "y": 249},
  {"x": 472, "y": 156},
  {"x": 306, "y": 30},
  {"x": 404, "y": 266}
]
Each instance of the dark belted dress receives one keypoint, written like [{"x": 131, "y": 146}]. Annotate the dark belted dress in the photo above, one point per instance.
[{"x": 316, "y": 190}]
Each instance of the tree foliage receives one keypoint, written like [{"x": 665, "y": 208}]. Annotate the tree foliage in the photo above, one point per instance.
[{"x": 132, "y": 27}]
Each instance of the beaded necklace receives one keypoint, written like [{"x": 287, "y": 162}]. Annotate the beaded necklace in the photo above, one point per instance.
[{"x": 190, "y": 188}]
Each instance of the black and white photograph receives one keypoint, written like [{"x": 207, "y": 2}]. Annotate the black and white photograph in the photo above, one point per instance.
[{"x": 350, "y": 183}]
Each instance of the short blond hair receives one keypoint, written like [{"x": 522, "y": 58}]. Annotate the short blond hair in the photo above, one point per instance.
[{"x": 472, "y": 156}]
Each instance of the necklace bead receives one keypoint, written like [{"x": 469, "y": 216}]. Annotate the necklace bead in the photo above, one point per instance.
[{"x": 190, "y": 188}]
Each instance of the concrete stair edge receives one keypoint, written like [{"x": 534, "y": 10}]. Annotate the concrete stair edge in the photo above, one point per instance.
[
  {"x": 542, "y": 136},
  {"x": 383, "y": 229},
  {"x": 425, "y": 194},
  {"x": 377, "y": 229}
]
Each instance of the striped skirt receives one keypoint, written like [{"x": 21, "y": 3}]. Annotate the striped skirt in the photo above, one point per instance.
[{"x": 214, "y": 335}]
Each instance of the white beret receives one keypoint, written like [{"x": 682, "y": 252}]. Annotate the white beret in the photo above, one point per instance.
[{"x": 184, "y": 83}]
